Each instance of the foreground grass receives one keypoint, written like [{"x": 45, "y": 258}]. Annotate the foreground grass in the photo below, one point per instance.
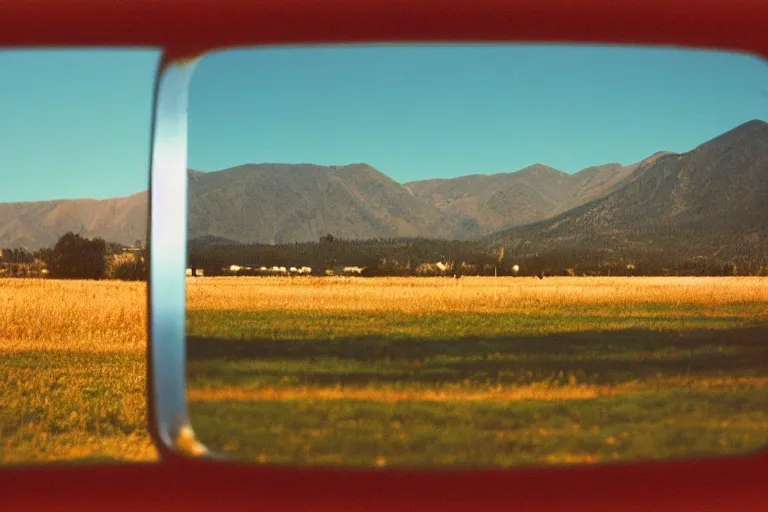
[
  {"x": 470, "y": 294},
  {"x": 73, "y": 371},
  {"x": 396, "y": 372},
  {"x": 636, "y": 426},
  {"x": 82, "y": 316},
  {"x": 70, "y": 405},
  {"x": 481, "y": 372}
]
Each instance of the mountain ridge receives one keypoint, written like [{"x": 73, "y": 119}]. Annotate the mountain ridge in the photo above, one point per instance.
[
  {"x": 277, "y": 203},
  {"x": 712, "y": 199}
]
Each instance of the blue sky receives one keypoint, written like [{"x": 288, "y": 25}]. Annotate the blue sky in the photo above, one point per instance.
[{"x": 76, "y": 123}]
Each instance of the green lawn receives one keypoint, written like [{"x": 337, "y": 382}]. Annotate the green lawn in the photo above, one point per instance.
[
  {"x": 630, "y": 427},
  {"x": 584, "y": 383},
  {"x": 396, "y": 371},
  {"x": 73, "y": 406}
]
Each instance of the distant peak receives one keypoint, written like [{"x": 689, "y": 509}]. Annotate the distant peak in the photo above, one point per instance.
[
  {"x": 356, "y": 165},
  {"x": 654, "y": 157},
  {"x": 753, "y": 128},
  {"x": 601, "y": 166},
  {"x": 355, "y": 168},
  {"x": 539, "y": 168},
  {"x": 749, "y": 127},
  {"x": 754, "y": 123}
]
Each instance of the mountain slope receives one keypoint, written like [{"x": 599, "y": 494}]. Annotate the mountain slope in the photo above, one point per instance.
[
  {"x": 487, "y": 203},
  {"x": 716, "y": 194},
  {"x": 481, "y": 203},
  {"x": 277, "y": 203},
  {"x": 711, "y": 200},
  {"x": 33, "y": 225}
]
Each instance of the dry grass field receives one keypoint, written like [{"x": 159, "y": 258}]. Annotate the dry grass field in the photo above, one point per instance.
[
  {"x": 73, "y": 371},
  {"x": 400, "y": 371},
  {"x": 479, "y": 294},
  {"x": 480, "y": 371}
]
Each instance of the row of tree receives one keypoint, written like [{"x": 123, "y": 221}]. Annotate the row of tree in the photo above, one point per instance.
[
  {"x": 405, "y": 256},
  {"x": 76, "y": 257}
]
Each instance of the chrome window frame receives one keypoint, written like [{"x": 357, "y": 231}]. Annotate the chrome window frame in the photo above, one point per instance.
[{"x": 167, "y": 405}]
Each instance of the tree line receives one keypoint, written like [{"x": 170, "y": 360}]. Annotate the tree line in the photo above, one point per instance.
[
  {"x": 76, "y": 257},
  {"x": 404, "y": 256}
]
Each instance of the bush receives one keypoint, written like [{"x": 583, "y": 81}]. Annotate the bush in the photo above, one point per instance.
[
  {"x": 129, "y": 267},
  {"x": 75, "y": 257},
  {"x": 136, "y": 271}
]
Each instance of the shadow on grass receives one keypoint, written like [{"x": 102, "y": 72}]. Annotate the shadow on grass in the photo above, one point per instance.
[{"x": 594, "y": 357}]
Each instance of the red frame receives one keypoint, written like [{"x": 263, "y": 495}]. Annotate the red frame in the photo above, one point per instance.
[{"x": 188, "y": 27}]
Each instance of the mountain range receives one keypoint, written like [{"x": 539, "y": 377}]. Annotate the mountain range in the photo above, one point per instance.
[
  {"x": 711, "y": 201},
  {"x": 33, "y": 225},
  {"x": 716, "y": 196}
]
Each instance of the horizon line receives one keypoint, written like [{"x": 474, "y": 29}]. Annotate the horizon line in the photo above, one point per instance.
[{"x": 539, "y": 163}]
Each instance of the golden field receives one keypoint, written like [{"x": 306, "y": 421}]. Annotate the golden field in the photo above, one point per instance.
[
  {"x": 477, "y": 372},
  {"x": 72, "y": 373},
  {"x": 491, "y": 294},
  {"x": 82, "y": 316}
]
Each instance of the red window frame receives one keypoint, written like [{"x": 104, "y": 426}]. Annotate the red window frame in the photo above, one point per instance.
[{"x": 190, "y": 27}]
